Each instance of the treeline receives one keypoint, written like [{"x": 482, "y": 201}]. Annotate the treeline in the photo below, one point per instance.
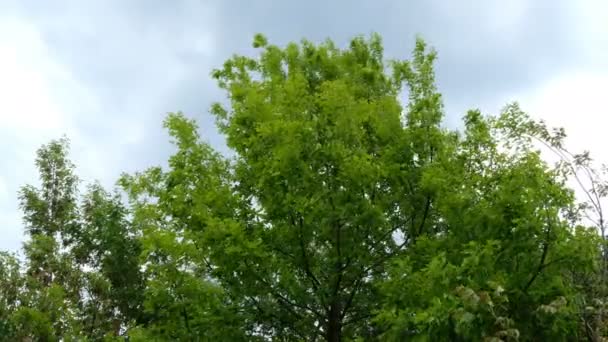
[{"x": 346, "y": 214}]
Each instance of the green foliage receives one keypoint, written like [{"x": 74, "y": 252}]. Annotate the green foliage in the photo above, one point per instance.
[{"x": 345, "y": 214}]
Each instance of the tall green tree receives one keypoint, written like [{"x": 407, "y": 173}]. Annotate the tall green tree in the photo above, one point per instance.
[
  {"x": 325, "y": 190},
  {"x": 345, "y": 215},
  {"x": 328, "y": 168}
]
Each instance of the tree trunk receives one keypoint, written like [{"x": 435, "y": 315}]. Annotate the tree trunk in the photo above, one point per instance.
[
  {"x": 334, "y": 324},
  {"x": 116, "y": 325}
]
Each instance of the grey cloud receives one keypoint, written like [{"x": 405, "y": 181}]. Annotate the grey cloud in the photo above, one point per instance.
[
  {"x": 133, "y": 53},
  {"x": 474, "y": 65},
  {"x": 142, "y": 58},
  {"x": 133, "y": 56}
]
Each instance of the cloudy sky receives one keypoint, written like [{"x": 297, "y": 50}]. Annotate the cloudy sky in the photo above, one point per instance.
[{"x": 105, "y": 72}]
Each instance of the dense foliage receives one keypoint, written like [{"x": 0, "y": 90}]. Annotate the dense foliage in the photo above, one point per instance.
[{"x": 347, "y": 213}]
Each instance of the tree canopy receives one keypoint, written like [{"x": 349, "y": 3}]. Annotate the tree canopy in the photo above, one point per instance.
[{"x": 348, "y": 212}]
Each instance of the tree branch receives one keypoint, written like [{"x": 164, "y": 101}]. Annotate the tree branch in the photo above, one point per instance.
[
  {"x": 313, "y": 279},
  {"x": 541, "y": 264},
  {"x": 288, "y": 303},
  {"x": 425, "y": 215}
]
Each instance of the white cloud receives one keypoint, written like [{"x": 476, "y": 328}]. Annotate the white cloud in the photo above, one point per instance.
[
  {"x": 101, "y": 72},
  {"x": 32, "y": 111},
  {"x": 575, "y": 98},
  {"x": 27, "y": 103},
  {"x": 3, "y": 192},
  {"x": 577, "y": 102},
  {"x": 96, "y": 72},
  {"x": 506, "y": 18},
  {"x": 592, "y": 31}
]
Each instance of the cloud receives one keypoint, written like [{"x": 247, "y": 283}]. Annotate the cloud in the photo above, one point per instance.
[
  {"x": 30, "y": 113},
  {"x": 574, "y": 96},
  {"x": 591, "y": 32},
  {"x": 106, "y": 72},
  {"x": 486, "y": 48},
  {"x": 27, "y": 102},
  {"x": 576, "y": 101},
  {"x": 134, "y": 56}
]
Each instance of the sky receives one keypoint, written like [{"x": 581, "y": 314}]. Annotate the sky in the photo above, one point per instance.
[{"x": 104, "y": 73}]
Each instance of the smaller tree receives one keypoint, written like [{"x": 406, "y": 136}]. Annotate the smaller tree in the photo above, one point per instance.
[
  {"x": 518, "y": 278},
  {"x": 11, "y": 285},
  {"x": 49, "y": 302},
  {"x": 82, "y": 274}
]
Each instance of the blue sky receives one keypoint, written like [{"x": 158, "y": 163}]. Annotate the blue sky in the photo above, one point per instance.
[{"x": 105, "y": 72}]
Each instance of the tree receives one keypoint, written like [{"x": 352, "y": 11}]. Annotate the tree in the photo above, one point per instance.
[
  {"x": 338, "y": 199},
  {"x": 11, "y": 283},
  {"x": 52, "y": 288},
  {"x": 511, "y": 253},
  {"x": 325, "y": 190},
  {"x": 108, "y": 245},
  {"x": 330, "y": 177},
  {"x": 82, "y": 258},
  {"x": 346, "y": 213},
  {"x": 172, "y": 210}
]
